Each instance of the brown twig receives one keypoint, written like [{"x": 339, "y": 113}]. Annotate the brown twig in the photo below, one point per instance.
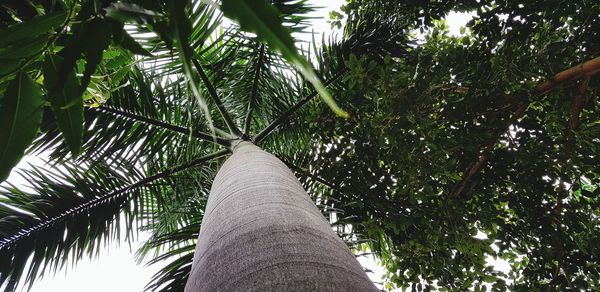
[{"x": 588, "y": 68}]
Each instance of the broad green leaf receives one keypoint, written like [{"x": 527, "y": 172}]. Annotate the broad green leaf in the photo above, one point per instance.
[
  {"x": 8, "y": 65},
  {"x": 20, "y": 118},
  {"x": 262, "y": 18},
  {"x": 120, "y": 74},
  {"x": 67, "y": 104},
  {"x": 24, "y": 48},
  {"x": 123, "y": 59},
  {"x": 32, "y": 28},
  {"x": 489, "y": 278}
]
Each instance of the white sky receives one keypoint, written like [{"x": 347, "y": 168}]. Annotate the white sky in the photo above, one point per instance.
[{"x": 116, "y": 270}]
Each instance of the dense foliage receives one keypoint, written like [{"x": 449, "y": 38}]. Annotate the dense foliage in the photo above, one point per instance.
[
  {"x": 465, "y": 154},
  {"x": 459, "y": 148}
]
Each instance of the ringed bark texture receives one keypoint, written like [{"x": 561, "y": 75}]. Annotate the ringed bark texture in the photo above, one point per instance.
[{"x": 262, "y": 232}]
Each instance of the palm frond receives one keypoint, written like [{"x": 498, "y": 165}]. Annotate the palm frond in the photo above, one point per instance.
[
  {"x": 174, "y": 229},
  {"x": 69, "y": 210},
  {"x": 63, "y": 215},
  {"x": 137, "y": 121}
]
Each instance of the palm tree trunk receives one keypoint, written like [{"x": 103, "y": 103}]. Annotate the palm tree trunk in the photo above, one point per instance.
[{"x": 262, "y": 232}]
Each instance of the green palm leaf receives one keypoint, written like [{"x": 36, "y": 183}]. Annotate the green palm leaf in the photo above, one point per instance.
[{"x": 63, "y": 216}]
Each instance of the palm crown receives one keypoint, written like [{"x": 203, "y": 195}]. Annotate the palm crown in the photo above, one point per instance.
[{"x": 155, "y": 129}]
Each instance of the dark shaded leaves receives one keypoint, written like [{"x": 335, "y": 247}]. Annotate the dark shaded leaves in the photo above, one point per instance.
[
  {"x": 32, "y": 28},
  {"x": 20, "y": 117},
  {"x": 96, "y": 34},
  {"x": 130, "y": 12},
  {"x": 67, "y": 104},
  {"x": 125, "y": 40}
]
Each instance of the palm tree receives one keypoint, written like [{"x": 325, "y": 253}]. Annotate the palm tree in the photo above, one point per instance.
[
  {"x": 426, "y": 165},
  {"x": 155, "y": 130}
]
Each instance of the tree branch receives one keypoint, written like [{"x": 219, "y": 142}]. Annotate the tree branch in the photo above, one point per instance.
[
  {"x": 588, "y": 68},
  {"x": 99, "y": 200},
  {"x": 215, "y": 97},
  {"x": 268, "y": 129},
  {"x": 253, "y": 96},
  {"x": 161, "y": 124}
]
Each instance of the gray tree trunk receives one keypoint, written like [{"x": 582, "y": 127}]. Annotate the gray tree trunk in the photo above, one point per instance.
[{"x": 262, "y": 232}]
